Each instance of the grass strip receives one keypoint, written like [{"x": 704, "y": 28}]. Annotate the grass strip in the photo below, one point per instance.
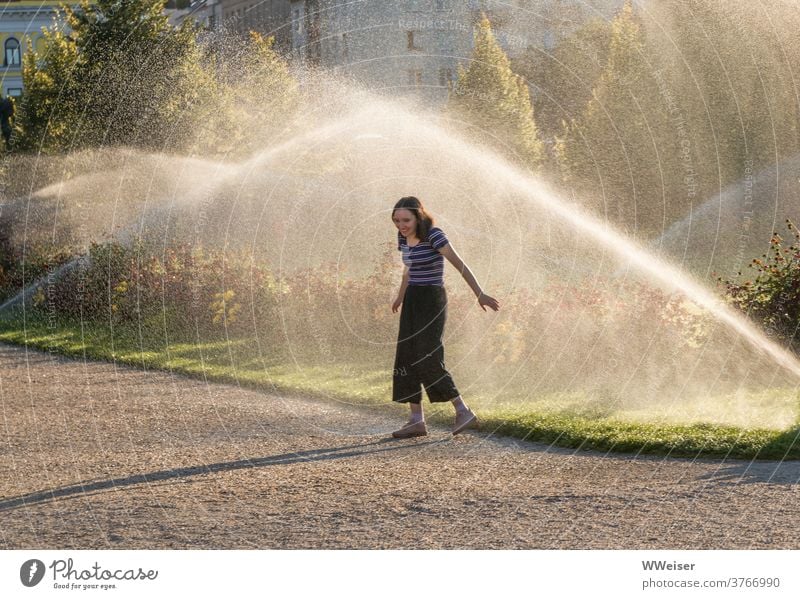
[{"x": 238, "y": 361}]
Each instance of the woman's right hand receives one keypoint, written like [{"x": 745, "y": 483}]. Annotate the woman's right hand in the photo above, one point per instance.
[
  {"x": 485, "y": 300},
  {"x": 396, "y": 304}
]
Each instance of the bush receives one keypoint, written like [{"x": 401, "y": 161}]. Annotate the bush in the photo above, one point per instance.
[
  {"x": 20, "y": 267},
  {"x": 773, "y": 298},
  {"x": 209, "y": 290},
  {"x": 601, "y": 330}
]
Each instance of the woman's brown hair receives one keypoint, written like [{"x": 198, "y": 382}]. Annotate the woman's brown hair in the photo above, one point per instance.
[{"x": 424, "y": 218}]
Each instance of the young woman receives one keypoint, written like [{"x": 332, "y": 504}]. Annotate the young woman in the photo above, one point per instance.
[{"x": 419, "y": 361}]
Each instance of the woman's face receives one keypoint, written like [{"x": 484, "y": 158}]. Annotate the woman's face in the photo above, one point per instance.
[{"x": 405, "y": 221}]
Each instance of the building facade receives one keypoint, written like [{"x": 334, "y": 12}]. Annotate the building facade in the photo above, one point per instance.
[
  {"x": 202, "y": 12},
  {"x": 21, "y": 21},
  {"x": 268, "y": 17},
  {"x": 414, "y": 47},
  {"x": 408, "y": 47}
]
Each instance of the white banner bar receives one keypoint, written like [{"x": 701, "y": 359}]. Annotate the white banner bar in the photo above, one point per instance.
[{"x": 401, "y": 574}]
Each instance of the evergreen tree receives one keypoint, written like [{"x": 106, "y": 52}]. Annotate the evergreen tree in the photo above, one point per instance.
[
  {"x": 566, "y": 76},
  {"x": 737, "y": 67},
  {"x": 622, "y": 151},
  {"x": 700, "y": 42},
  {"x": 490, "y": 96}
]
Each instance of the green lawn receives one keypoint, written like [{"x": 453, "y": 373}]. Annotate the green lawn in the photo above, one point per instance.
[{"x": 560, "y": 419}]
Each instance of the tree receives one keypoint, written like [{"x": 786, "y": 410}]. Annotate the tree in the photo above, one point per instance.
[
  {"x": 736, "y": 64},
  {"x": 565, "y": 76},
  {"x": 49, "y": 105},
  {"x": 491, "y": 97},
  {"x": 124, "y": 75},
  {"x": 624, "y": 143},
  {"x": 121, "y": 75},
  {"x": 253, "y": 77}
]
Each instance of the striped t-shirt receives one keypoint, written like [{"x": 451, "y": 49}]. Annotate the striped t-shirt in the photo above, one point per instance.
[{"x": 425, "y": 263}]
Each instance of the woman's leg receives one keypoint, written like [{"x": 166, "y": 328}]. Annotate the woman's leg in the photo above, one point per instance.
[
  {"x": 406, "y": 386},
  {"x": 430, "y": 365},
  {"x": 416, "y": 412},
  {"x": 459, "y": 405},
  {"x": 435, "y": 378}
]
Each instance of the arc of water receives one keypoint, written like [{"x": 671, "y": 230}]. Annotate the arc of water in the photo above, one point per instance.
[
  {"x": 533, "y": 189},
  {"x": 656, "y": 267},
  {"x": 627, "y": 250},
  {"x": 727, "y": 196},
  {"x": 30, "y": 289},
  {"x": 226, "y": 175}
]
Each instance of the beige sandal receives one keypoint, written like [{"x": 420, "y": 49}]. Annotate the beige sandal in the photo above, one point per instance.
[
  {"x": 464, "y": 421},
  {"x": 411, "y": 429}
]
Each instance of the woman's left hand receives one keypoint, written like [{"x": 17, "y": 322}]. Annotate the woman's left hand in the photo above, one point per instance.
[{"x": 485, "y": 300}]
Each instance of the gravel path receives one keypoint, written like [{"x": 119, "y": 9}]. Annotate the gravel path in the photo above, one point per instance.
[{"x": 102, "y": 456}]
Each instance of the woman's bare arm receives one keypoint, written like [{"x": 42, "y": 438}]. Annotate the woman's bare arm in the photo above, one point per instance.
[{"x": 484, "y": 300}]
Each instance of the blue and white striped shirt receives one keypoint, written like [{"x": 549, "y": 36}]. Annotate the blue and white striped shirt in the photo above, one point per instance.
[{"x": 425, "y": 263}]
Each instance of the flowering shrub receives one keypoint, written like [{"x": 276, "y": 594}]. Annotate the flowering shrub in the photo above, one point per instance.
[
  {"x": 205, "y": 289},
  {"x": 329, "y": 317},
  {"x": 773, "y": 298},
  {"x": 597, "y": 334},
  {"x": 18, "y": 270},
  {"x": 224, "y": 308},
  {"x": 600, "y": 331}
]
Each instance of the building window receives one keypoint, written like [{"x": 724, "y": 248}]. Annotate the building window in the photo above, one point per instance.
[
  {"x": 415, "y": 77},
  {"x": 14, "y": 91},
  {"x": 334, "y": 48},
  {"x": 445, "y": 76},
  {"x": 296, "y": 20},
  {"x": 345, "y": 50},
  {"x": 549, "y": 41},
  {"x": 12, "y": 53},
  {"x": 410, "y": 41}
]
